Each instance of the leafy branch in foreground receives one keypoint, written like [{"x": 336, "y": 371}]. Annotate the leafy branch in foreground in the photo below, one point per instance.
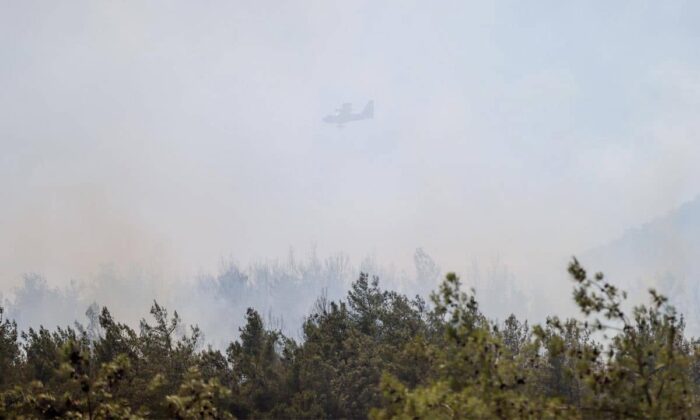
[{"x": 642, "y": 369}]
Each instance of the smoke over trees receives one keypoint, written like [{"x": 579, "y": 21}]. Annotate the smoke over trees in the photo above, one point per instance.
[
  {"x": 372, "y": 353},
  {"x": 283, "y": 291}
]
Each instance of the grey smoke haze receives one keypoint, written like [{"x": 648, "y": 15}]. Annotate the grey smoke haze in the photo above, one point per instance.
[{"x": 162, "y": 137}]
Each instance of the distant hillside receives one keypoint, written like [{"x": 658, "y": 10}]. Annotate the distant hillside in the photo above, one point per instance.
[{"x": 664, "y": 253}]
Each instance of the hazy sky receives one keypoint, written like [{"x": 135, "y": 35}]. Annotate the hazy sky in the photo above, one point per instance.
[{"x": 172, "y": 133}]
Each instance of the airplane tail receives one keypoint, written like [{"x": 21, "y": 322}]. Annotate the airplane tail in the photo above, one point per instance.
[{"x": 368, "y": 111}]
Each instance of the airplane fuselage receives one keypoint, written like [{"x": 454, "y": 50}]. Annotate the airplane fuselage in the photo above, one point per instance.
[{"x": 342, "y": 119}]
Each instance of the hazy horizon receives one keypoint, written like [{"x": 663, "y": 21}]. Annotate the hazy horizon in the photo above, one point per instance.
[{"x": 165, "y": 137}]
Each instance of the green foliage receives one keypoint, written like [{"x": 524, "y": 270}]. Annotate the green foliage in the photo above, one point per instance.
[
  {"x": 479, "y": 376},
  {"x": 83, "y": 393},
  {"x": 197, "y": 399},
  {"x": 642, "y": 370},
  {"x": 9, "y": 350},
  {"x": 376, "y": 353}
]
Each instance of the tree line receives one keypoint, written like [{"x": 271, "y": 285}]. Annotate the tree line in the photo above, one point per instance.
[{"x": 374, "y": 354}]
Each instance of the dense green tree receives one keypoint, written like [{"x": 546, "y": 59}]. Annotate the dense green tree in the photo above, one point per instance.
[
  {"x": 256, "y": 365},
  {"x": 10, "y": 351},
  {"x": 478, "y": 375}
]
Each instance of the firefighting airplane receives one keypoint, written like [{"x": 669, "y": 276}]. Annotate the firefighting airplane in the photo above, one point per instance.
[{"x": 344, "y": 114}]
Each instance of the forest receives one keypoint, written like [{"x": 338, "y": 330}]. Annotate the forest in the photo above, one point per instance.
[
  {"x": 229, "y": 209},
  {"x": 373, "y": 354}
]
